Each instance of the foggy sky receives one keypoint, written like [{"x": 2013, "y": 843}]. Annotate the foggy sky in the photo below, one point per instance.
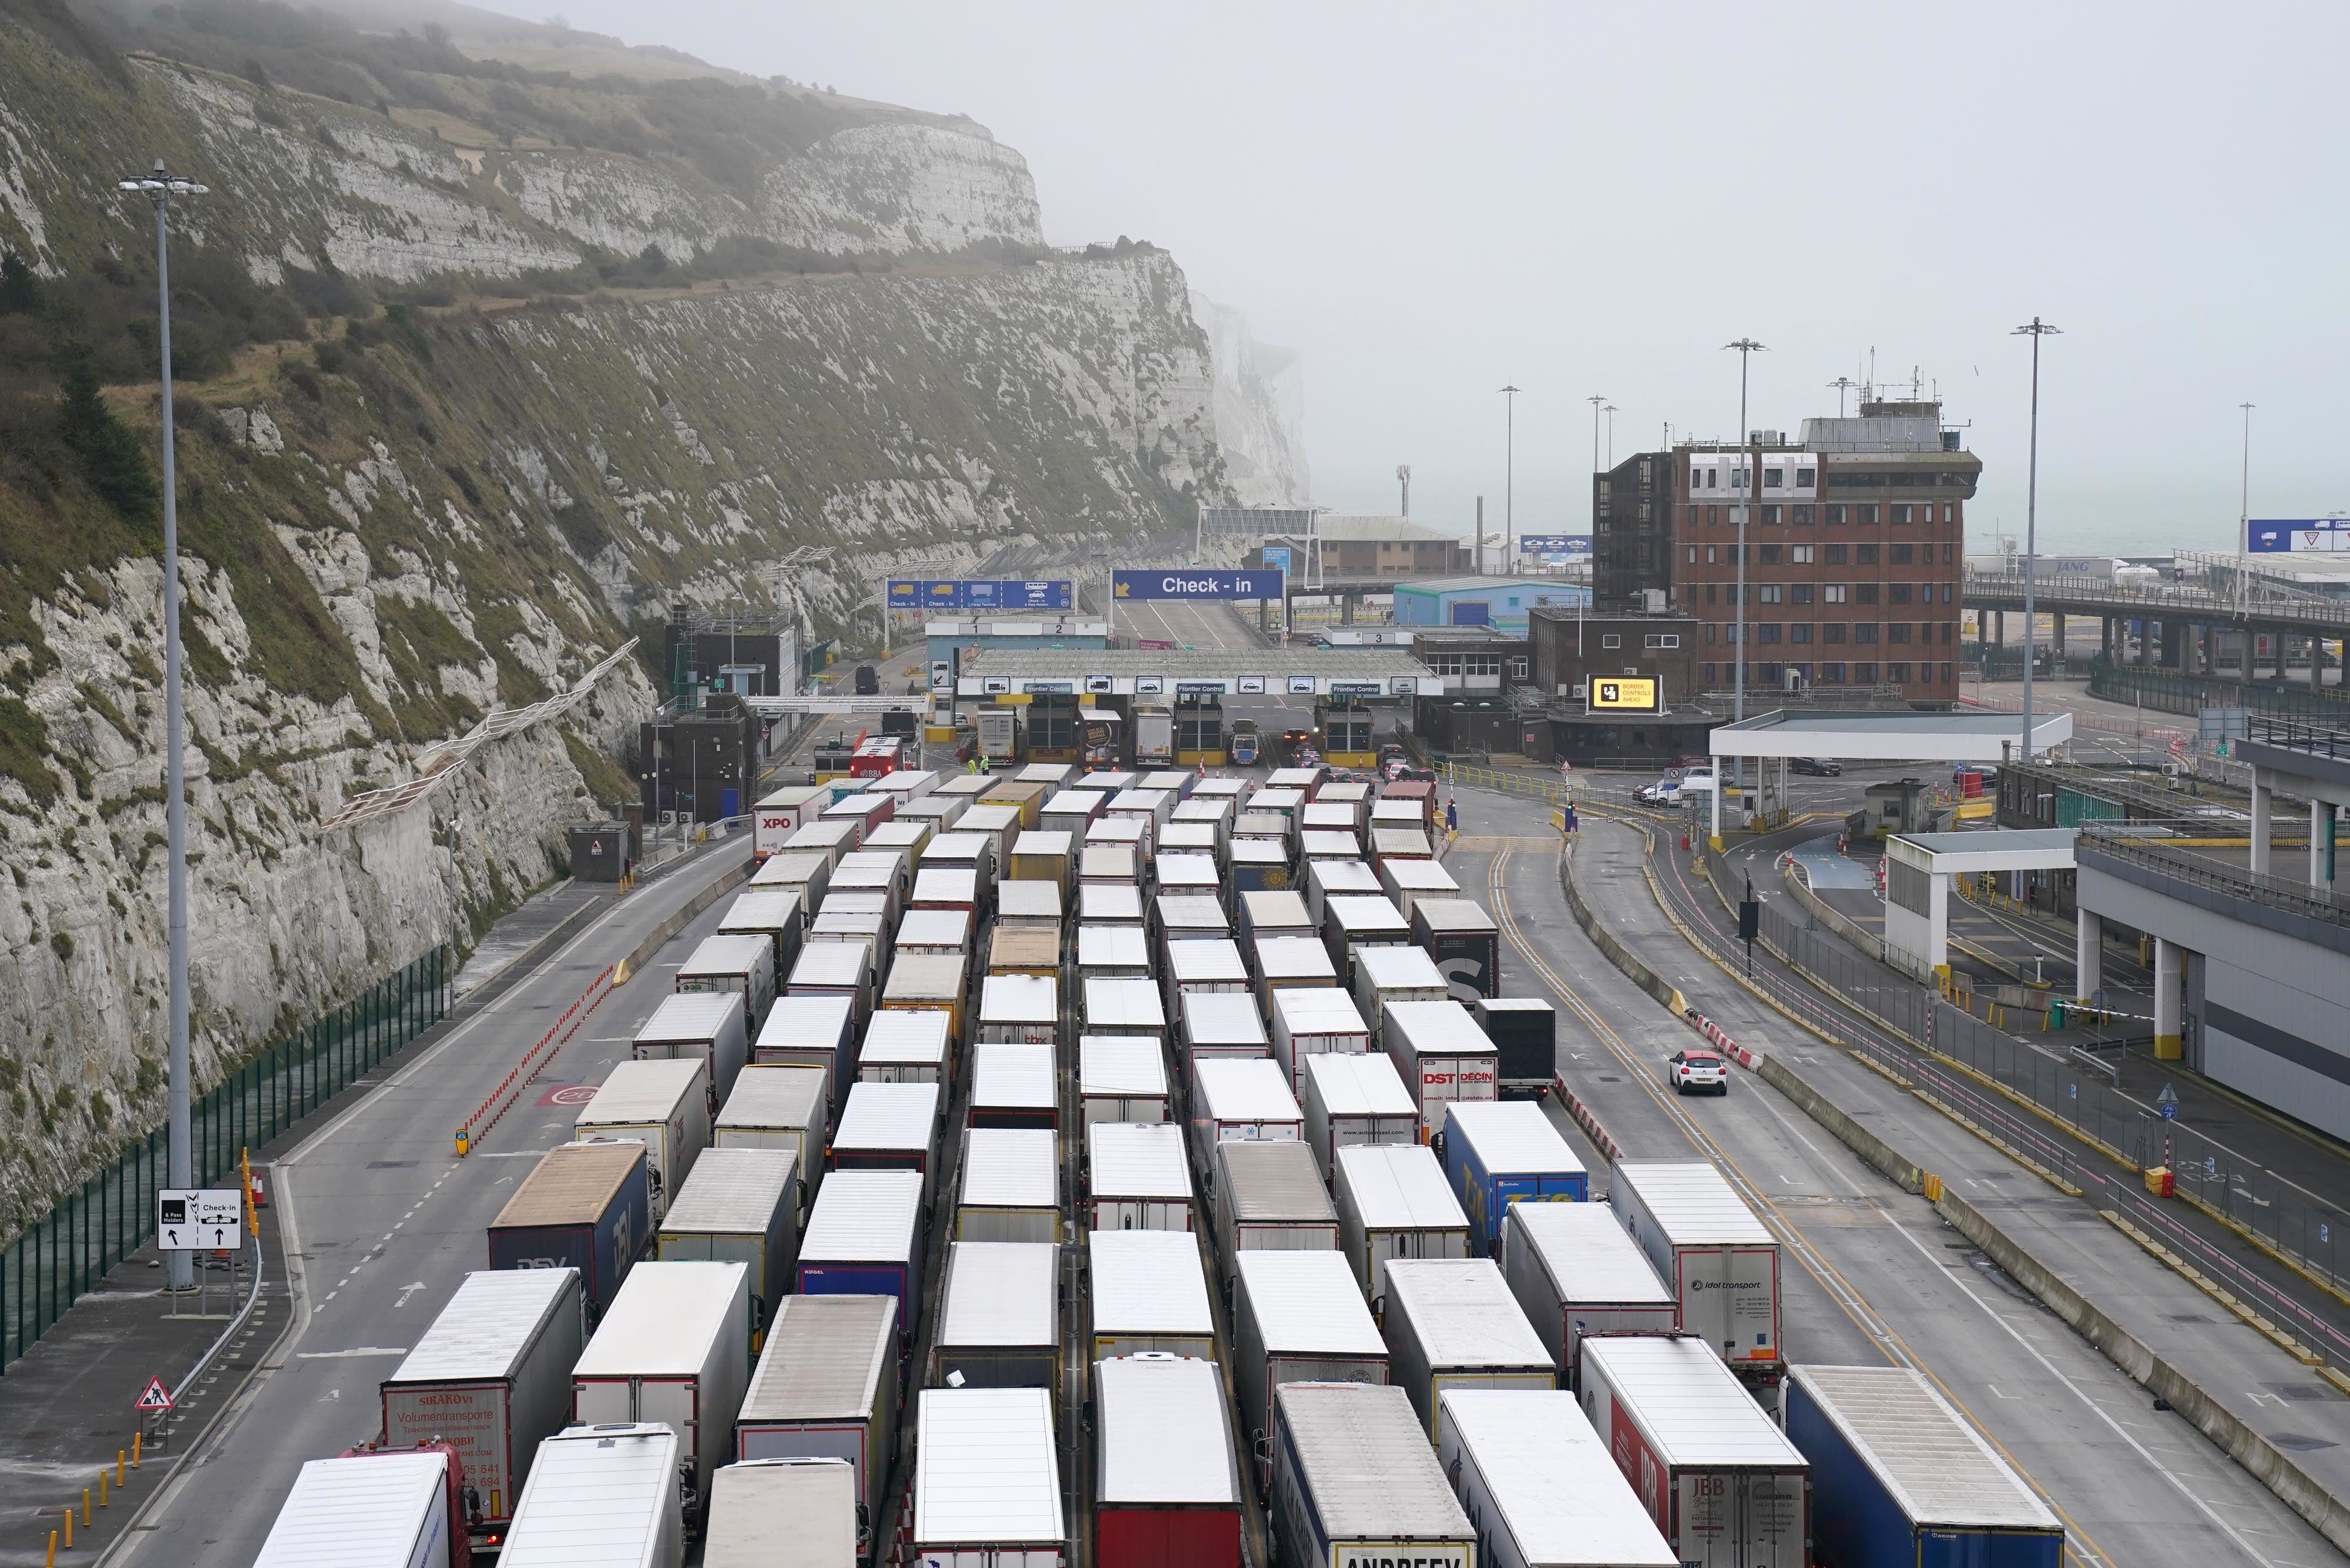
[{"x": 1430, "y": 202}]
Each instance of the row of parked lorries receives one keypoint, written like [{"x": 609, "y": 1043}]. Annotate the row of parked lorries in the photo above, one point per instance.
[{"x": 1271, "y": 1160}]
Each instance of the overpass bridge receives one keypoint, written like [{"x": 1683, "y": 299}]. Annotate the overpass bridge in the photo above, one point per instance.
[{"x": 2181, "y": 621}]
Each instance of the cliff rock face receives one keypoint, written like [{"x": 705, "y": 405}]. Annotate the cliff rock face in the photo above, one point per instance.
[
  {"x": 1260, "y": 408},
  {"x": 396, "y": 522}
]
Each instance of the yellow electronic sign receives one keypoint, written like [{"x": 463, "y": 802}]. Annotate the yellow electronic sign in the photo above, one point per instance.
[{"x": 1625, "y": 693}]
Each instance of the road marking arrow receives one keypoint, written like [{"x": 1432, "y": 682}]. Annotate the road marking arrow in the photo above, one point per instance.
[{"x": 406, "y": 1291}]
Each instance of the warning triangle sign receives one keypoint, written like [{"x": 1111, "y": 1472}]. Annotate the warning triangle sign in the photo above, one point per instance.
[{"x": 155, "y": 1396}]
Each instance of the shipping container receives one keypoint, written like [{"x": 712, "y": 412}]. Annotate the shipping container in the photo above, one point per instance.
[
  {"x": 1137, "y": 1178},
  {"x": 999, "y": 1317},
  {"x": 829, "y": 837},
  {"x": 1328, "y": 879},
  {"x": 1011, "y": 1179},
  {"x": 740, "y": 1206},
  {"x": 1352, "y": 923},
  {"x": 610, "y": 1489},
  {"x": 700, "y": 1027},
  {"x": 1718, "y": 1476},
  {"x": 780, "y": 1108},
  {"x": 1574, "y": 1271},
  {"x": 1240, "y": 1098},
  {"x": 1019, "y": 1009},
  {"x": 1525, "y": 1031},
  {"x": 1270, "y": 1196},
  {"x": 1383, "y": 975},
  {"x": 1452, "y": 1322},
  {"x": 741, "y": 964},
  {"x": 1221, "y": 1024},
  {"x": 783, "y": 1513},
  {"x": 1899, "y": 1476},
  {"x": 935, "y": 931},
  {"x": 815, "y": 1029},
  {"x": 1131, "y": 1007},
  {"x": 1110, "y": 904},
  {"x": 905, "y": 1046},
  {"x": 1258, "y": 866},
  {"x": 666, "y": 1106},
  {"x": 1297, "y": 1317},
  {"x": 1121, "y": 1078},
  {"x": 583, "y": 1206},
  {"x": 1720, "y": 1261},
  {"x": 1150, "y": 1293},
  {"x": 1108, "y": 863},
  {"x": 843, "y": 970},
  {"x": 928, "y": 982},
  {"x": 1137, "y": 834},
  {"x": 889, "y": 1126},
  {"x": 1024, "y": 950},
  {"x": 826, "y": 1387},
  {"x": 1183, "y": 916},
  {"x": 1112, "y": 953},
  {"x": 1167, "y": 1483},
  {"x": 784, "y": 813},
  {"x": 371, "y": 1510},
  {"x": 1393, "y": 1203},
  {"x": 1352, "y": 1481},
  {"x": 1043, "y": 855},
  {"x": 1497, "y": 1153},
  {"x": 864, "y": 1238},
  {"x": 1269, "y": 913},
  {"x": 1308, "y": 1021},
  {"x": 1409, "y": 880},
  {"x": 804, "y": 873},
  {"x": 987, "y": 1480},
  {"x": 774, "y": 913},
  {"x": 1537, "y": 1483},
  {"x": 1351, "y": 1099},
  {"x": 861, "y": 813},
  {"x": 1014, "y": 1085},
  {"x": 1441, "y": 1057},
  {"x": 491, "y": 1378},
  {"x": 675, "y": 1348}
]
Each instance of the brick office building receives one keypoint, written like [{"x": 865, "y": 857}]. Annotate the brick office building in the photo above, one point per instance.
[{"x": 1855, "y": 538}]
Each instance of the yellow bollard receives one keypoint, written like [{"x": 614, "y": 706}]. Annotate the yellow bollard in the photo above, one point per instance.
[
  {"x": 101, "y": 1490},
  {"x": 70, "y": 1527},
  {"x": 53, "y": 1549},
  {"x": 117, "y": 1467},
  {"x": 136, "y": 1438},
  {"x": 85, "y": 1505}
]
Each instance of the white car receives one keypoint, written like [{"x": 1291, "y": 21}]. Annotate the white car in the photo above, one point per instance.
[{"x": 1698, "y": 1072}]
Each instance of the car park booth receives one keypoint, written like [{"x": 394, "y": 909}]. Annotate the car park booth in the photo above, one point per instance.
[
  {"x": 1917, "y": 871},
  {"x": 1784, "y": 733}
]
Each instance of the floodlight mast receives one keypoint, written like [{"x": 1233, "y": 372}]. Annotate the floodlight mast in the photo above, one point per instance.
[{"x": 2036, "y": 329}]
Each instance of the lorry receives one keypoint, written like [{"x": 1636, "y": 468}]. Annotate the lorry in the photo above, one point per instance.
[
  {"x": 1298, "y": 1317},
  {"x": 784, "y": 1513},
  {"x": 740, "y": 1206},
  {"x": 987, "y": 1480},
  {"x": 1719, "y": 1478},
  {"x": 1383, "y": 975},
  {"x": 1574, "y": 1271},
  {"x": 1237, "y": 1098},
  {"x": 1899, "y": 1476},
  {"x": 491, "y": 1378},
  {"x": 666, "y": 1106},
  {"x": 1136, "y": 1177},
  {"x": 865, "y": 1237},
  {"x": 614, "y": 1483},
  {"x": 1310, "y": 1021},
  {"x": 906, "y": 1045},
  {"x": 1498, "y": 1153},
  {"x": 1465, "y": 943},
  {"x": 1443, "y": 1058},
  {"x": 1354, "y": 923},
  {"x": 707, "y": 1026},
  {"x": 999, "y": 1317},
  {"x": 1524, "y": 1033},
  {"x": 1537, "y": 1482},
  {"x": 675, "y": 1348},
  {"x": 779, "y": 1108},
  {"x": 1452, "y": 1322},
  {"x": 1221, "y": 1024},
  {"x": 1355, "y": 1482},
  {"x": 1354, "y": 1099},
  {"x": 1154, "y": 737},
  {"x": 583, "y": 1206},
  {"x": 1393, "y": 1203},
  {"x": 826, "y": 1387},
  {"x": 385, "y": 1507},
  {"x": 1011, "y": 1186},
  {"x": 1720, "y": 1260},
  {"x": 1014, "y": 1085},
  {"x": 1167, "y": 1481},
  {"x": 1270, "y": 1195},
  {"x": 774, "y": 913},
  {"x": 744, "y": 964},
  {"x": 889, "y": 1126},
  {"x": 1150, "y": 1293},
  {"x": 1120, "y": 1078},
  {"x": 777, "y": 817}
]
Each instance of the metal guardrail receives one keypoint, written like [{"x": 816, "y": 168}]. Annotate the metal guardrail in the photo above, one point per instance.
[
  {"x": 1989, "y": 590},
  {"x": 2216, "y": 876},
  {"x": 2293, "y": 735}
]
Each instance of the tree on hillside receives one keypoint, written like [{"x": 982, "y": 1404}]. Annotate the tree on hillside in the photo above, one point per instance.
[{"x": 112, "y": 456}]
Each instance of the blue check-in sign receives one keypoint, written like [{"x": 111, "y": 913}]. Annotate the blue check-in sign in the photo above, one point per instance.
[{"x": 1194, "y": 583}]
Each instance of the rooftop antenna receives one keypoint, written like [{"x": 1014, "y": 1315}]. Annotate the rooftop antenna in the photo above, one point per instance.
[{"x": 1842, "y": 384}]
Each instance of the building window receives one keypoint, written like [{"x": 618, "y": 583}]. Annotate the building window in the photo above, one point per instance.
[
  {"x": 1661, "y": 639},
  {"x": 1774, "y": 479},
  {"x": 1946, "y": 630},
  {"x": 1730, "y": 633},
  {"x": 1769, "y": 554},
  {"x": 1800, "y": 632},
  {"x": 1835, "y": 557},
  {"x": 1865, "y": 554},
  {"x": 1864, "y": 593},
  {"x": 1865, "y": 631},
  {"x": 1444, "y": 663},
  {"x": 1611, "y": 639},
  {"x": 1897, "y": 674},
  {"x": 1712, "y": 589},
  {"x": 1481, "y": 664},
  {"x": 1800, "y": 515},
  {"x": 1832, "y": 673},
  {"x": 1946, "y": 675},
  {"x": 1770, "y": 633},
  {"x": 1900, "y": 512},
  {"x": 1708, "y": 674},
  {"x": 1833, "y": 593},
  {"x": 1709, "y": 549},
  {"x": 1902, "y": 555},
  {"x": 1835, "y": 632},
  {"x": 1946, "y": 555},
  {"x": 1710, "y": 630},
  {"x": 1948, "y": 512},
  {"x": 1806, "y": 477},
  {"x": 1799, "y": 593},
  {"x": 1863, "y": 674},
  {"x": 1898, "y": 632},
  {"x": 1836, "y": 517},
  {"x": 1897, "y": 593},
  {"x": 1865, "y": 516},
  {"x": 1800, "y": 555},
  {"x": 1769, "y": 592},
  {"x": 1518, "y": 668},
  {"x": 1692, "y": 554}
]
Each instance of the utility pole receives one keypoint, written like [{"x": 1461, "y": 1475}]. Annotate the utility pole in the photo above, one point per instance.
[
  {"x": 2243, "y": 533},
  {"x": 1747, "y": 349},
  {"x": 1611, "y": 410},
  {"x": 1403, "y": 477},
  {"x": 1481, "y": 536},
  {"x": 1596, "y": 399},
  {"x": 2036, "y": 330},
  {"x": 1842, "y": 384},
  {"x": 1509, "y": 477},
  {"x": 159, "y": 187}
]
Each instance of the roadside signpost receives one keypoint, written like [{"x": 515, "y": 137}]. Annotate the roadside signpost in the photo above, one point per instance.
[{"x": 153, "y": 1399}]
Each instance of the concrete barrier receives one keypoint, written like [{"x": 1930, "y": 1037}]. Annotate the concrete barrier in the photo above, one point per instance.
[
  {"x": 1843, "y": 925},
  {"x": 1889, "y": 1162},
  {"x": 1620, "y": 955},
  {"x": 657, "y": 938}
]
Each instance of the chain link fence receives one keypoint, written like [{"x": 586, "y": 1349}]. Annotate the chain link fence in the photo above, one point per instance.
[{"x": 112, "y": 1214}]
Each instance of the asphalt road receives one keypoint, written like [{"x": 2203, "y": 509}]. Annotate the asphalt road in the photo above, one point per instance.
[
  {"x": 383, "y": 1221},
  {"x": 1872, "y": 1274}
]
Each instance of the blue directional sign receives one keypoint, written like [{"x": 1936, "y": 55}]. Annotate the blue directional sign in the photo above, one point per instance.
[
  {"x": 916, "y": 594},
  {"x": 1554, "y": 543},
  {"x": 1194, "y": 583},
  {"x": 2297, "y": 535}
]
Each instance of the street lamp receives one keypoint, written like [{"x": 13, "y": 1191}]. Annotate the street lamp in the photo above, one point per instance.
[
  {"x": 2244, "y": 533},
  {"x": 1509, "y": 477},
  {"x": 1611, "y": 410},
  {"x": 2035, "y": 330},
  {"x": 1747, "y": 348},
  {"x": 160, "y": 186}
]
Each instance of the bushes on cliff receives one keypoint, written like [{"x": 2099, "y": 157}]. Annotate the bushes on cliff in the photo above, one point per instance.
[{"x": 112, "y": 458}]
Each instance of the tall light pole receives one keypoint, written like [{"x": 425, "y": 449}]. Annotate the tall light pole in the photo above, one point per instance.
[
  {"x": 1509, "y": 477},
  {"x": 2035, "y": 330},
  {"x": 1747, "y": 349},
  {"x": 1611, "y": 410},
  {"x": 1403, "y": 478},
  {"x": 1842, "y": 384},
  {"x": 159, "y": 186},
  {"x": 2244, "y": 529}
]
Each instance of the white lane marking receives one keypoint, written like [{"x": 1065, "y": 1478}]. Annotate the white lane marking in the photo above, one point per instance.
[
  {"x": 407, "y": 1291},
  {"x": 2165, "y": 1471},
  {"x": 353, "y": 1354},
  {"x": 511, "y": 1154}
]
